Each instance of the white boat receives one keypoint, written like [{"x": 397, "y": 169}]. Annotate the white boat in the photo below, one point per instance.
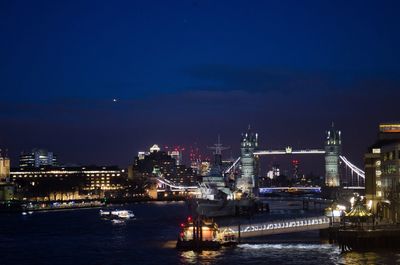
[
  {"x": 123, "y": 214},
  {"x": 105, "y": 213}
]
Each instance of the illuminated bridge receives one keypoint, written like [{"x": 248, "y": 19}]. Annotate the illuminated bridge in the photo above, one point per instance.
[
  {"x": 360, "y": 174},
  {"x": 275, "y": 227},
  {"x": 249, "y": 151}
]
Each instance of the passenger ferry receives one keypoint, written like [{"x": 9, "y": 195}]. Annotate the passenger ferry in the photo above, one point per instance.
[{"x": 122, "y": 214}]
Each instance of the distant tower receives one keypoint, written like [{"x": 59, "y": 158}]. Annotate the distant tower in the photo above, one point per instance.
[
  {"x": 333, "y": 149},
  {"x": 4, "y": 167},
  {"x": 247, "y": 181}
]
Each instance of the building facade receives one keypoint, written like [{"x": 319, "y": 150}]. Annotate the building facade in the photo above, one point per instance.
[
  {"x": 37, "y": 158},
  {"x": 160, "y": 163},
  {"x": 67, "y": 183},
  {"x": 4, "y": 168},
  {"x": 373, "y": 180},
  {"x": 382, "y": 173}
]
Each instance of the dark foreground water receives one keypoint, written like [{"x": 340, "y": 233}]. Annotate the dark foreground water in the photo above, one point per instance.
[{"x": 81, "y": 237}]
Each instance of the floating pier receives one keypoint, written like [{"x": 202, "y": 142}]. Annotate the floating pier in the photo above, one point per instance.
[{"x": 203, "y": 234}]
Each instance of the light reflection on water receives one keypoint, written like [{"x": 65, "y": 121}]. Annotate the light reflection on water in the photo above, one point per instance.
[
  {"x": 83, "y": 238},
  {"x": 284, "y": 246},
  {"x": 202, "y": 257},
  {"x": 290, "y": 253},
  {"x": 361, "y": 258}
]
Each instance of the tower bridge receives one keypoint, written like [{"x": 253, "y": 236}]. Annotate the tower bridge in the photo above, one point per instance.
[{"x": 247, "y": 181}]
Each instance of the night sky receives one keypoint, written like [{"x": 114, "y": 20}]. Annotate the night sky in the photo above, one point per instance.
[{"x": 185, "y": 71}]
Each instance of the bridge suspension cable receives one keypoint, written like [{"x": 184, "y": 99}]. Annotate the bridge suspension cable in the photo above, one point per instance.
[
  {"x": 233, "y": 165},
  {"x": 173, "y": 185},
  {"x": 353, "y": 168}
]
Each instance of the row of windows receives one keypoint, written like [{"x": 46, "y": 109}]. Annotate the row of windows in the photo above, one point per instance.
[
  {"x": 391, "y": 155},
  {"x": 390, "y": 169},
  {"x": 103, "y": 181}
]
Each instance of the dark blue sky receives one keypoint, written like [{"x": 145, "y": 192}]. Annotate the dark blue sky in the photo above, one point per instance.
[{"x": 184, "y": 71}]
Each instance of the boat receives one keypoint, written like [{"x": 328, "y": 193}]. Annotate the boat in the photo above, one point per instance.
[
  {"x": 105, "y": 213},
  {"x": 122, "y": 214}
]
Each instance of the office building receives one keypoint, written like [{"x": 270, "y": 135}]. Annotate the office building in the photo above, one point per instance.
[
  {"x": 67, "y": 183},
  {"x": 37, "y": 158},
  {"x": 382, "y": 173}
]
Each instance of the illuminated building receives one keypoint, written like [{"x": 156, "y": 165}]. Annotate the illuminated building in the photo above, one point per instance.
[
  {"x": 4, "y": 168},
  {"x": 382, "y": 173},
  {"x": 157, "y": 163},
  {"x": 141, "y": 155},
  {"x": 205, "y": 168},
  {"x": 177, "y": 155},
  {"x": 333, "y": 148},
  {"x": 276, "y": 171},
  {"x": 37, "y": 158},
  {"x": 6, "y": 188},
  {"x": 67, "y": 183},
  {"x": 247, "y": 181},
  {"x": 154, "y": 148},
  {"x": 373, "y": 174}
]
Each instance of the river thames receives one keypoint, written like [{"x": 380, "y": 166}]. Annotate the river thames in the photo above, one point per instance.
[{"x": 82, "y": 237}]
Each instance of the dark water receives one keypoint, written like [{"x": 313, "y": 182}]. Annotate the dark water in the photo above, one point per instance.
[{"x": 81, "y": 237}]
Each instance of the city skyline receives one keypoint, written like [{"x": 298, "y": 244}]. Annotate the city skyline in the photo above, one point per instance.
[
  {"x": 98, "y": 82},
  {"x": 199, "y": 132}
]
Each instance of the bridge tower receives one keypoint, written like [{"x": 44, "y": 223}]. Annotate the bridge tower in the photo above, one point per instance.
[
  {"x": 247, "y": 182},
  {"x": 333, "y": 149}
]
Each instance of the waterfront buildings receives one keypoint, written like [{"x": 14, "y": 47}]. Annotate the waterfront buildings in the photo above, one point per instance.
[
  {"x": 382, "y": 173},
  {"x": 37, "y": 158},
  {"x": 159, "y": 163},
  {"x": 48, "y": 183}
]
